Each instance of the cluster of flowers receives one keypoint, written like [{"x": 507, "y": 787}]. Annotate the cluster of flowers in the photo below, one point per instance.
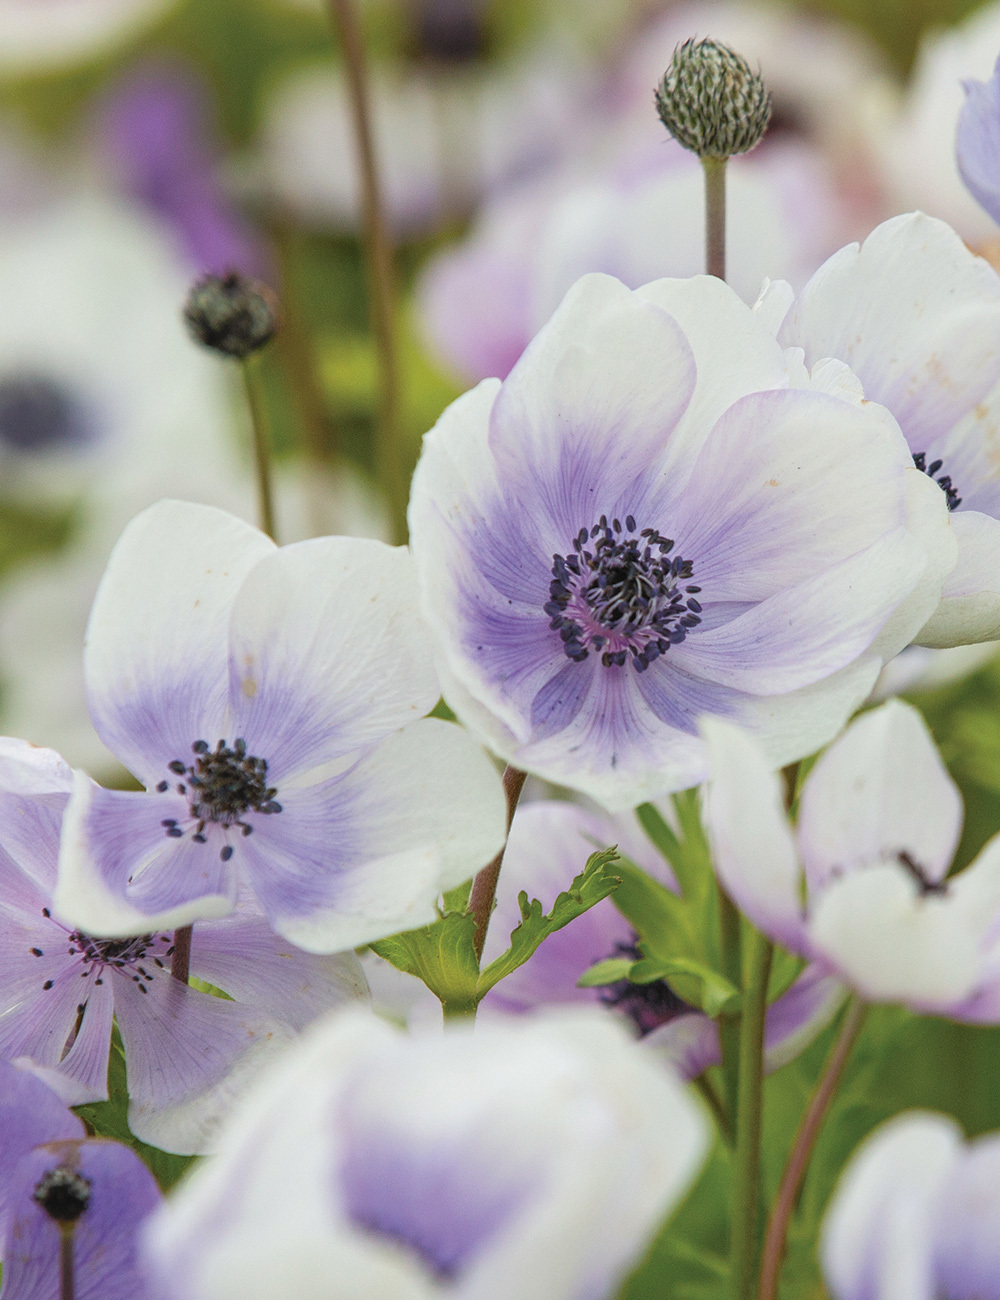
[{"x": 675, "y": 546}]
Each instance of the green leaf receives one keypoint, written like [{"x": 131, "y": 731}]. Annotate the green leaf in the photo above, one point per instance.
[
  {"x": 659, "y": 916},
  {"x": 442, "y": 955},
  {"x": 606, "y": 972},
  {"x": 594, "y": 883},
  {"x": 696, "y": 983}
]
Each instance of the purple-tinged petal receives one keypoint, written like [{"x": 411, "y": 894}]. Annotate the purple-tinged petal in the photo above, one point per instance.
[
  {"x": 977, "y": 144},
  {"x": 689, "y": 1044},
  {"x": 327, "y": 652},
  {"x": 879, "y": 791},
  {"x": 39, "y": 1030},
  {"x": 122, "y": 1194},
  {"x": 801, "y": 1013},
  {"x": 155, "y": 654},
  {"x": 752, "y": 846},
  {"x": 120, "y": 873},
  {"x": 878, "y": 1235},
  {"x": 188, "y": 1055},
  {"x": 969, "y": 611},
  {"x": 30, "y": 1113},
  {"x": 966, "y": 1216},
  {"x": 562, "y": 432}
]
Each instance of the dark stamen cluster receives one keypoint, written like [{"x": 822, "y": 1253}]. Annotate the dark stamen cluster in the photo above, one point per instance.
[
  {"x": 125, "y": 955},
  {"x": 943, "y": 481},
  {"x": 619, "y": 592},
  {"x": 63, "y": 1194},
  {"x": 648, "y": 1006},
  {"x": 222, "y": 785}
]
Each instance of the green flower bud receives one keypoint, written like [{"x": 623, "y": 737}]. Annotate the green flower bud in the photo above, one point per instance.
[
  {"x": 711, "y": 101},
  {"x": 231, "y": 314}
]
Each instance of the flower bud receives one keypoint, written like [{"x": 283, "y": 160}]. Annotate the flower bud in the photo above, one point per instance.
[
  {"x": 231, "y": 314},
  {"x": 711, "y": 101}
]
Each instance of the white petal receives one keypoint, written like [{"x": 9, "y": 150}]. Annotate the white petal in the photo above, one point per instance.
[
  {"x": 969, "y": 611},
  {"x": 880, "y": 789}
]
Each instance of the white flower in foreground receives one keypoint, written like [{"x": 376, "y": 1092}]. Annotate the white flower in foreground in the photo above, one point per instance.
[
  {"x": 37, "y": 36},
  {"x": 270, "y": 700},
  {"x": 916, "y": 1215},
  {"x": 917, "y": 318},
  {"x": 860, "y": 885},
  {"x": 532, "y": 1159},
  {"x": 648, "y": 521}
]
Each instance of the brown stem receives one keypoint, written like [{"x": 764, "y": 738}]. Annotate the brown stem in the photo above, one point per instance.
[
  {"x": 381, "y": 268},
  {"x": 801, "y": 1153},
  {"x": 67, "y": 1289},
  {"x": 261, "y": 446},
  {"x": 715, "y": 216},
  {"x": 180, "y": 960},
  {"x": 484, "y": 887}
]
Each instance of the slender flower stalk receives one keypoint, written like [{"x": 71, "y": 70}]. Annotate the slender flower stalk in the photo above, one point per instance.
[
  {"x": 729, "y": 1026},
  {"x": 715, "y": 216},
  {"x": 802, "y": 1149},
  {"x": 180, "y": 959},
  {"x": 381, "y": 270},
  {"x": 484, "y": 887},
  {"x": 261, "y": 445},
  {"x": 67, "y": 1285},
  {"x": 746, "y": 1197}
]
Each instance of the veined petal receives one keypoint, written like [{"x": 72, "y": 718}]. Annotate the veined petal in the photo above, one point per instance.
[
  {"x": 328, "y": 653},
  {"x": 879, "y": 791},
  {"x": 155, "y": 654},
  {"x": 752, "y": 846},
  {"x": 969, "y": 611},
  {"x": 120, "y": 874}
]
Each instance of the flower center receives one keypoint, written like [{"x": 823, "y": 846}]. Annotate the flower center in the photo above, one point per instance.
[
  {"x": 618, "y": 592},
  {"x": 37, "y": 414},
  {"x": 96, "y": 955},
  {"x": 942, "y": 480},
  {"x": 222, "y": 785},
  {"x": 449, "y": 31},
  {"x": 648, "y": 1006},
  {"x": 63, "y": 1194}
]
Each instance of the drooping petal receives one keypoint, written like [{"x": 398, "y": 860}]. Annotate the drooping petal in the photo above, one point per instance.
[
  {"x": 880, "y": 790},
  {"x": 366, "y": 853},
  {"x": 752, "y": 846},
  {"x": 878, "y": 1234},
  {"x": 121, "y": 874},
  {"x": 155, "y": 655},
  {"x": 327, "y": 652},
  {"x": 105, "y": 1243}
]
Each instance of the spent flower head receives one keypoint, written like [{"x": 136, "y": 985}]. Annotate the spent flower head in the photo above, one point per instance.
[
  {"x": 231, "y": 314},
  {"x": 712, "y": 101}
]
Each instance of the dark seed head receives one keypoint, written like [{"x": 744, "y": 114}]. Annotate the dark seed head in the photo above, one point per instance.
[
  {"x": 63, "y": 1194},
  {"x": 231, "y": 314}
]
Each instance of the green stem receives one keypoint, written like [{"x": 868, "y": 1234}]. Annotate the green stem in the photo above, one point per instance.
[
  {"x": 729, "y": 1026},
  {"x": 381, "y": 267},
  {"x": 261, "y": 446},
  {"x": 746, "y": 1190},
  {"x": 716, "y": 1105},
  {"x": 715, "y": 216},
  {"x": 802, "y": 1148},
  {"x": 484, "y": 887}
]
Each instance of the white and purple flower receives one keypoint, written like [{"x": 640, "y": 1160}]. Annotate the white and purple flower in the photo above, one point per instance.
[
  {"x": 187, "y": 1053},
  {"x": 534, "y": 1158},
  {"x": 977, "y": 141},
  {"x": 271, "y": 702},
  {"x": 916, "y": 316},
  {"x": 916, "y": 1215},
  {"x": 659, "y": 514},
  {"x": 861, "y": 885}
]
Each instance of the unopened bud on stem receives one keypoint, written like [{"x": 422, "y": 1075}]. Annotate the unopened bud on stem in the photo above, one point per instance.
[
  {"x": 231, "y": 314},
  {"x": 711, "y": 100}
]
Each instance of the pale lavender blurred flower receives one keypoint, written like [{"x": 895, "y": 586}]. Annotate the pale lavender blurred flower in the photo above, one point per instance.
[
  {"x": 916, "y": 1214},
  {"x": 861, "y": 885},
  {"x": 977, "y": 141},
  {"x": 626, "y": 534},
  {"x": 271, "y": 702},
  {"x": 533, "y": 1158}
]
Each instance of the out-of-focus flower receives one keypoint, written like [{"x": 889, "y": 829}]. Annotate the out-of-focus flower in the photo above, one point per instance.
[
  {"x": 638, "y": 216},
  {"x": 625, "y": 535},
  {"x": 271, "y": 702},
  {"x": 916, "y": 1213},
  {"x": 549, "y": 844},
  {"x": 154, "y": 135},
  {"x": 534, "y": 1158},
  {"x": 977, "y": 142},
  {"x": 917, "y": 318},
  {"x": 860, "y": 886},
  {"x": 35, "y": 37},
  {"x": 919, "y": 669},
  {"x": 186, "y": 1052},
  {"x": 51, "y": 1176}
]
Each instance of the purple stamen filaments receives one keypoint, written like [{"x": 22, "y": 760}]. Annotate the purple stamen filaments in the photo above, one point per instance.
[
  {"x": 943, "y": 481},
  {"x": 622, "y": 595},
  {"x": 221, "y": 786},
  {"x": 136, "y": 956}
]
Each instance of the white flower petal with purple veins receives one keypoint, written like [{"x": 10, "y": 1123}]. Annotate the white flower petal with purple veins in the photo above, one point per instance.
[
  {"x": 534, "y": 1158},
  {"x": 861, "y": 885},
  {"x": 263, "y": 696},
  {"x": 583, "y": 560},
  {"x": 917, "y": 317}
]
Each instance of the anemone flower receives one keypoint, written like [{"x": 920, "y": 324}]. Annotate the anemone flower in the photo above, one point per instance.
[
  {"x": 647, "y": 521},
  {"x": 52, "y": 1174},
  {"x": 861, "y": 885},
  {"x": 916, "y": 316},
  {"x": 533, "y": 1158},
  {"x": 270, "y": 700}
]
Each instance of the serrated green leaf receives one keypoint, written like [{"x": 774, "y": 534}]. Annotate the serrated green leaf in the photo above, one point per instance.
[
  {"x": 595, "y": 882},
  {"x": 442, "y": 955},
  {"x": 605, "y": 972}
]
